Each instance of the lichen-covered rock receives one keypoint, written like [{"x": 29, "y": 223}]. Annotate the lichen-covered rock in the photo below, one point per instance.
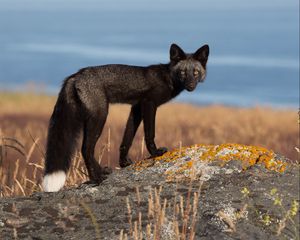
[{"x": 228, "y": 191}]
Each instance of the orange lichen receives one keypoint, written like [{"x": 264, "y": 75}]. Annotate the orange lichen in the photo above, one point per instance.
[
  {"x": 249, "y": 155},
  {"x": 184, "y": 170}
]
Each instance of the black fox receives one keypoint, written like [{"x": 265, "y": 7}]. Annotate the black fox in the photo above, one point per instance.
[{"x": 83, "y": 104}]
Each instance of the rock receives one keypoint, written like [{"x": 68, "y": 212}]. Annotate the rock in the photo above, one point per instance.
[{"x": 210, "y": 192}]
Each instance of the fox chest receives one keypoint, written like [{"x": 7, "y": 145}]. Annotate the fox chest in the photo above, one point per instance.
[{"x": 162, "y": 94}]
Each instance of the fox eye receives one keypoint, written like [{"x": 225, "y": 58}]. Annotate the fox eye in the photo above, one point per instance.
[{"x": 196, "y": 72}]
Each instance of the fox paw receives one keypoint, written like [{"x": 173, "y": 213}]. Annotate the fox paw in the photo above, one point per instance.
[
  {"x": 97, "y": 179},
  {"x": 99, "y": 174},
  {"x": 160, "y": 151},
  {"x": 125, "y": 162},
  {"x": 106, "y": 171}
]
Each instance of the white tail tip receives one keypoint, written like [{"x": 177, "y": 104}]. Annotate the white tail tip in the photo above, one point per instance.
[{"x": 53, "y": 182}]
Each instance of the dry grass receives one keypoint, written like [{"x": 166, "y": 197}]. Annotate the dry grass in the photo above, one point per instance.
[
  {"x": 183, "y": 216},
  {"x": 24, "y": 117}
]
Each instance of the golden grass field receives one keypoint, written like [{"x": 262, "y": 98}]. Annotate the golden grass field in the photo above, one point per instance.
[{"x": 24, "y": 118}]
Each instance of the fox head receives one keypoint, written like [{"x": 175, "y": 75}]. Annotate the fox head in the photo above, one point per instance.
[{"x": 188, "y": 68}]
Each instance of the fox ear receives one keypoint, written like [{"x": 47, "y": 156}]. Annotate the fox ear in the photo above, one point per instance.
[
  {"x": 202, "y": 55},
  {"x": 176, "y": 53}
]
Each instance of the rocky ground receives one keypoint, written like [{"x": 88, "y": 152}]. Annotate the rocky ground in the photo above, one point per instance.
[{"x": 201, "y": 192}]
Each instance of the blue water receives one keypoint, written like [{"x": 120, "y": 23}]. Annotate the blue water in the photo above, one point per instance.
[{"x": 254, "y": 44}]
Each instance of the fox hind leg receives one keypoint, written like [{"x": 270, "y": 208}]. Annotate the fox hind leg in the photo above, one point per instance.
[
  {"x": 93, "y": 127},
  {"x": 95, "y": 105}
]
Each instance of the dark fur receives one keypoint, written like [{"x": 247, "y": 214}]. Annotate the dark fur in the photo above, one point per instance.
[{"x": 85, "y": 96}]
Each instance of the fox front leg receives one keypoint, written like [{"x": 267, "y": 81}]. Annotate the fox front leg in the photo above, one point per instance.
[
  {"x": 148, "y": 114},
  {"x": 133, "y": 122}
]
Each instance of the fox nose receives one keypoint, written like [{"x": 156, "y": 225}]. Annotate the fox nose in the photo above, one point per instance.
[{"x": 190, "y": 86}]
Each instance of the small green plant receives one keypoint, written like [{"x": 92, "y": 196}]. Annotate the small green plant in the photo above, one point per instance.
[
  {"x": 278, "y": 224},
  {"x": 289, "y": 214}
]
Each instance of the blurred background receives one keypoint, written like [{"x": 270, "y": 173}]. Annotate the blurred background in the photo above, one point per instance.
[
  {"x": 250, "y": 96},
  {"x": 254, "y": 44}
]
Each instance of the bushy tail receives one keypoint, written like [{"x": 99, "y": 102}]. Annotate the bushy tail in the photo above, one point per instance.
[{"x": 64, "y": 127}]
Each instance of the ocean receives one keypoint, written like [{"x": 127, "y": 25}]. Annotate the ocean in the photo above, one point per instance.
[{"x": 254, "y": 58}]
